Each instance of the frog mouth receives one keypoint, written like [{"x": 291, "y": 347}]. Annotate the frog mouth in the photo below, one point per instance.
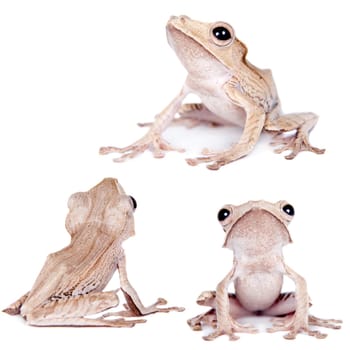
[
  {"x": 189, "y": 51},
  {"x": 175, "y": 36}
]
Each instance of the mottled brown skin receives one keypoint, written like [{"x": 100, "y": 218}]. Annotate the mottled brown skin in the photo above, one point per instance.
[
  {"x": 70, "y": 284},
  {"x": 232, "y": 91},
  {"x": 256, "y": 233}
]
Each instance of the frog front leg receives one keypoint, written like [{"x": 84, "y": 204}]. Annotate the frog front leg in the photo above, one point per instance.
[
  {"x": 302, "y": 123},
  {"x": 254, "y": 124},
  {"x": 135, "y": 306},
  {"x": 208, "y": 298},
  {"x": 226, "y": 324},
  {"x": 71, "y": 311},
  {"x": 153, "y": 139}
]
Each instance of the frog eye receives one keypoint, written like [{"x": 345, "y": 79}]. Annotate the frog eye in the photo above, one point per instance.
[
  {"x": 134, "y": 203},
  {"x": 288, "y": 209},
  {"x": 222, "y": 34},
  {"x": 223, "y": 214}
]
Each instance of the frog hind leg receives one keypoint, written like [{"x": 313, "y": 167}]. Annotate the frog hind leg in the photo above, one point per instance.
[
  {"x": 254, "y": 124},
  {"x": 302, "y": 123},
  {"x": 283, "y": 310},
  {"x": 205, "y": 319},
  {"x": 209, "y": 319},
  {"x": 192, "y": 115},
  {"x": 72, "y": 312},
  {"x": 284, "y": 306}
]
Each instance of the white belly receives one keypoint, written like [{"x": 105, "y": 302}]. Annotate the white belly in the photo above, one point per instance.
[
  {"x": 222, "y": 107},
  {"x": 258, "y": 291},
  {"x": 212, "y": 94}
]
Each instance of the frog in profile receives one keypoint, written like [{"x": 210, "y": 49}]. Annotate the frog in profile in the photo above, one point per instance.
[
  {"x": 70, "y": 285},
  {"x": 233, "y": 92}
]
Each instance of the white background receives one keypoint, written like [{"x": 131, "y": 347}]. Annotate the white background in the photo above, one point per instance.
[{"x": 77, "y": 75}]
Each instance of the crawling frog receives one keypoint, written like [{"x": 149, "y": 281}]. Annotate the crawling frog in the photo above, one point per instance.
[
  {"x": 232, "y": 91},
  {"x": 256, "y": 232},
  {"x": 70, "y": 285}
]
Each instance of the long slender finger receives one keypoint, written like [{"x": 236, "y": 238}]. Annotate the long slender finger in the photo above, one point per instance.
[
  {"x": 108, "y": 149},
  {"x": 125, "y": 157},
  {"x": 317, "y": 150},
  {"x": 166, "y": 146},
  {"x": 147, "y": 124},
  {"x": 112, "y": 149},
  {"x": 317, "y": 334},
  {"x": 172, "y": 308},
  {"x": 216, "y": 165},
  {"x": 291, "y": 155},
  {"x": 160, "y": 301},
  {"x": 327, "y": 323},
  {"x": 196, "y": 161},
  {"x": 290, "y": 335},
  {"x": 213, "y": 335}
]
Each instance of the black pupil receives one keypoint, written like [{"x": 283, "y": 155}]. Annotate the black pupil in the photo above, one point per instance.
[
  {"x": 221, "y": 33},
  {"x": 288, "y": 209},
  {"x": 223, "y": 214},
  {"x": 134, "y": 203}
]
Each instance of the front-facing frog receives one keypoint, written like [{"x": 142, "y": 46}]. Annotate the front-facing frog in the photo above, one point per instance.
[
  {"x": 256, "y": 233},
  {"x": 232, "y": 91},
  {"x": 70, "y": 285}
]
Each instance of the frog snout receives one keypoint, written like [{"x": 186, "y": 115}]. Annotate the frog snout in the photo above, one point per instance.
[{"x": 181, "y": 18}]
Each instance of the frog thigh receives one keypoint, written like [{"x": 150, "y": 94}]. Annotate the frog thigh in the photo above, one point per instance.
[
  {"x": 285, "y": 304},
  {"x": 71, "y": 311},
  {"x": 198, "y": 112},
  {"x": 209, "y": 318}
]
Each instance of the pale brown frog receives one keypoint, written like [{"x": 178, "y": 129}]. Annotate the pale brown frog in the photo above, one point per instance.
[
  {"x": 70, "y": 285},
  {"x": 232, "y": 91},
  {"x": 256, "y": 232}
]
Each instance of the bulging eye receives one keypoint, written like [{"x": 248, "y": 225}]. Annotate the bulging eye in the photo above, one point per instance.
[
  {"x": 223, "y": 214},
  {"x": 134, "y": 203},
  {"x": 222, "y": 34},
  {"x": 288, "y": 209}
]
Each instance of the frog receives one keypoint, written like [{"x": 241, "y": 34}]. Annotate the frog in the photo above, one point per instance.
[
  {"x": 70, "y": 287},
  {"x": 256, "y": 232},
  {"x": 232, "y": 92}
]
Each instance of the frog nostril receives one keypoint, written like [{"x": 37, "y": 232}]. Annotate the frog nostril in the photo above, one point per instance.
[{"x": 183, "y": 18}]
